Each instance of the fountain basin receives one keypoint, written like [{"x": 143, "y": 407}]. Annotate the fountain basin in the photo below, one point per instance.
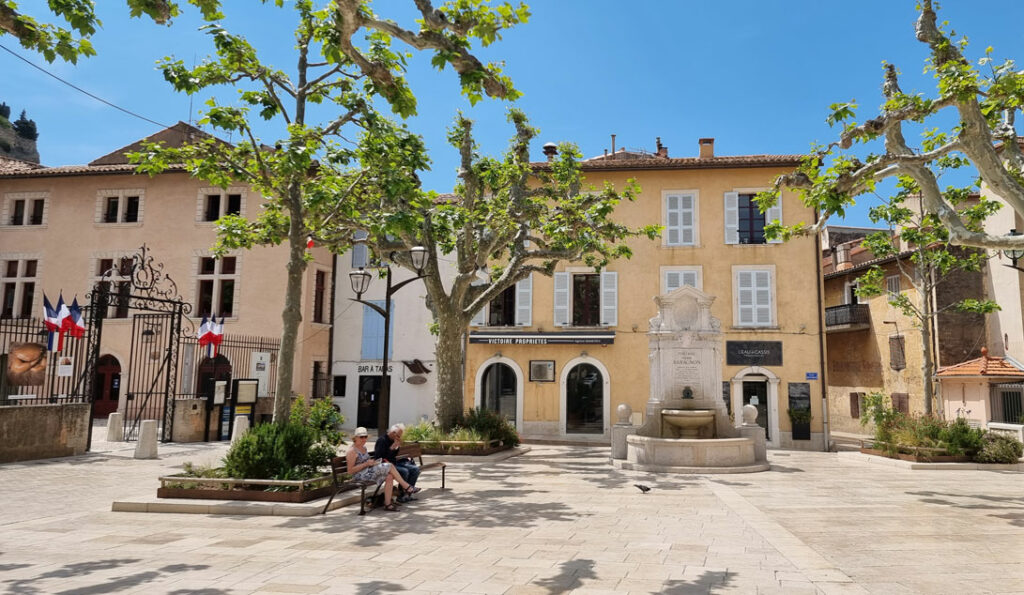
[
  {"x": 687, "y": 423},
  {"x": 684, "y": 455}
]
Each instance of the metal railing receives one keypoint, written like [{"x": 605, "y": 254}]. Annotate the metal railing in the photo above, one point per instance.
[{"x": 847, "y": 314}]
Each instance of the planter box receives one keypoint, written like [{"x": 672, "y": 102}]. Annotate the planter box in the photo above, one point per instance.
[
  {"x": 918, "y": 457},
  {"x": 304, "y": 491},
  {"x": 802, "y": 431},
  {"x": 463, "y": 447}
]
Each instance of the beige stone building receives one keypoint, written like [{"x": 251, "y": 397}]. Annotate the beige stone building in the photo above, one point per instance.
[
  {"x": 558, "y": 355},
  {"x": 873, "y": 347},
  {"x": 62, "y": 227}
]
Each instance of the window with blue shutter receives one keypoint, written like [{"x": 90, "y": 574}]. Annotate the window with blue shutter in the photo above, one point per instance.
[{"x": 373, "y": 332}]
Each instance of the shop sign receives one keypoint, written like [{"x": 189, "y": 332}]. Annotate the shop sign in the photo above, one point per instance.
[
  {"x": 578, "y": 338},
  {"x": 753, "y": 353}
]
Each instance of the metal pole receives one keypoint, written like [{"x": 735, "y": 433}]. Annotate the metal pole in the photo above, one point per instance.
[{"x": 384, "y": 404}]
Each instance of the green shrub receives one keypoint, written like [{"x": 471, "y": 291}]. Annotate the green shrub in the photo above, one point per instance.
[
  {"x": 5, "y": 111},
  {"x": 26, "y": 128},
  {"x": 961, "y": 438},
  {"x": 799, "y": 416},
  {"x": 424, "y": 431},
  {"x": 491, "y": 426},
  {"x": 999, "y": 448},
  {"x": 294, "y": 450}
]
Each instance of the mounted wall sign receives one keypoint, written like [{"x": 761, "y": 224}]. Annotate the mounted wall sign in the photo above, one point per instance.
[
  {"x": 416, "y": 379},
  {"x": 566, "y": 338},
  {"x": 542, "y": 370},
  {"x": 753, "y": 353}
]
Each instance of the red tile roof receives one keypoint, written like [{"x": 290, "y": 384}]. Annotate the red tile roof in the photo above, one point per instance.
[
  {"x": 655, "y": 162},
  {"x": 985, "y": 365},
  {"x": 10, "y": 165}
]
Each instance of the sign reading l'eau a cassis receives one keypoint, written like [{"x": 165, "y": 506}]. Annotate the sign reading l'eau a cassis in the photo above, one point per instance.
[{"x": 753, "y": 353}]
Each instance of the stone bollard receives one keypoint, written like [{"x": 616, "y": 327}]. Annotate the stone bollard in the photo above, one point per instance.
[
  {"x": 115, "y": 427},
  {"x": 146, "y": 448},
  {"x": 241, "y": 427},
  {"x": 751, "y": 430},
  {"x": 622, "y": 428}
]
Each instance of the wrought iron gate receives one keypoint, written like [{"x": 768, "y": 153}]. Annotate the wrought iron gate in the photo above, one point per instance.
[{"x": 137, "y": 287}]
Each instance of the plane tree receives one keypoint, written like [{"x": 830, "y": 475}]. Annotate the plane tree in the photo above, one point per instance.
[
  {"x": 346, "y": 59},
  {"x": 506, "y": 220},
  {"x": 983, "y": 96}
]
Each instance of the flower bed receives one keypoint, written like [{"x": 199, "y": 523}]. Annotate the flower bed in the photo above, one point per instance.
[
  {"x": 462, "y": 447},
  {"x": 918, "y": 455},
  {"x": 257, "y": 490}
]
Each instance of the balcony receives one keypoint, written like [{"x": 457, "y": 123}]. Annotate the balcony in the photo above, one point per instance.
[{"x": 846, "y": 318}]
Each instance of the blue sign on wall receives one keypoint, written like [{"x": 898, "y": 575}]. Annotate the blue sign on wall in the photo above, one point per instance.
[{"x": 811, "y": 376}]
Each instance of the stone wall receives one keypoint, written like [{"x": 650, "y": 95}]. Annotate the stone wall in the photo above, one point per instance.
[
  {"x": 961, "y": 334},
  {"x": 32, "y": 432},
  {"x": 20, "y": 148}
]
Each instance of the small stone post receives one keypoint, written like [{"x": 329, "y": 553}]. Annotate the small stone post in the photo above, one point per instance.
[
  {"x": 751, "y": 430},
  {"x": 146, "y": 447},
  {"x": 622, "y": 428},
  {"x": 115, "y": 427},
  {"x": 241, "y": 426}
]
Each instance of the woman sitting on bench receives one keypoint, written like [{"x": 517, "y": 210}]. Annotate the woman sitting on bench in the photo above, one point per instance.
[{"x": 366, "y": 468}]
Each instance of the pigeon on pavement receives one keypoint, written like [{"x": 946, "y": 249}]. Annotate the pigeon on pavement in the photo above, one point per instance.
[{"x": 642, "y": 487}]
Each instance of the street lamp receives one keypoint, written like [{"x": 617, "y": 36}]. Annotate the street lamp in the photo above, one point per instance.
[
  {"x": 360, "y": 281},
  {"x": 1014, "y": 255}
]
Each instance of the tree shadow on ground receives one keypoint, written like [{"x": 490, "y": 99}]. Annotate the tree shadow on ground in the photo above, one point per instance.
[
  {"x": 78, "y": 570},
  {"x": 1013, "y": 504},
  {"x": 707, "y": 582},
  {"x": 199, "y": 592},
  {"x": 784, "y": 469},
  {"x": 570, "y": 576},
  {"x": 379, "y": 587}
]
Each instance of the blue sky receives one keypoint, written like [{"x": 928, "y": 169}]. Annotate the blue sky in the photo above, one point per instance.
[{"x": 757, "y": 75}]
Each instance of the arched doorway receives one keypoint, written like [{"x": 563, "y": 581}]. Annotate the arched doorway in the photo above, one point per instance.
[
  {"x": 759, "y": 387},
  {"x": 211, "y": 369},
  {"x": 584, "y": 400},
  {"x": 108, "y": 386},
  {"x": 498, "y": 390}
]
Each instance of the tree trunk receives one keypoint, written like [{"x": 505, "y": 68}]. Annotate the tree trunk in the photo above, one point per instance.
[
  {"x": 291, "y": 316},
  {"x": 448, "y": 406},
  {"x": 928, "y": 359}
]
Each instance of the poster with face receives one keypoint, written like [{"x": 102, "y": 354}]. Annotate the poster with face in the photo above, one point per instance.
[{"x": 26, "y": 364}]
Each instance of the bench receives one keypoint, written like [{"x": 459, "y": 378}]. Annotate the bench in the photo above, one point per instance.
[
  {"x": 339, "y": 468},
  {"x": 414, "y": 452}
]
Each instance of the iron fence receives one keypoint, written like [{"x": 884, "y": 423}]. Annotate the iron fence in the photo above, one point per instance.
[
  {"x": 238, "y": 356},
  {"x": 31, "y": 375}
]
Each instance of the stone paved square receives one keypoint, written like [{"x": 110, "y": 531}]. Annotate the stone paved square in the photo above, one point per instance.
[{"x": 556, "y": 519}]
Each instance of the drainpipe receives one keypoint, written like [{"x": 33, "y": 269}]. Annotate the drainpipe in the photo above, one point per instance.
[
  {"x": 330, "y": 331},
  {"x": 821, "y": 336}
]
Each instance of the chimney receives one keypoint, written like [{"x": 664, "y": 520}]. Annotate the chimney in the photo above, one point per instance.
[
  {"x": 662, "y": 149},
  {"x": 551, "y": 150},
  {"x": 841, "y": 260},
  {"x": 613, "y": 146},
  {"x": 707, "y": 148}
]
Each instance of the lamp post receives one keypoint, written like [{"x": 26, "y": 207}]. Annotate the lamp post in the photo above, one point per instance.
[
  {"x": 360, "y": 283},
  {"x": 1014, "y": 255}
]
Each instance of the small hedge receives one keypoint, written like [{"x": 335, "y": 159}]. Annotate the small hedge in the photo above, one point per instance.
[
  {"x": 999, "y": 448},
  {"x": 476, "y": 425}
]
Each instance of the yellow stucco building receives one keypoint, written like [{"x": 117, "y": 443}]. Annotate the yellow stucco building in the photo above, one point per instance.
[{"x": 558, "y": 355}]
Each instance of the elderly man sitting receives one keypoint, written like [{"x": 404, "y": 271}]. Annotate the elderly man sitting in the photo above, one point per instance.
[{"x": 387, "y": 449}]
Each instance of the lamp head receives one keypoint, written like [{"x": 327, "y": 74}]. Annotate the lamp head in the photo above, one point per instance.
[
  {"x": 418, "y": 255},
  {"x": 360, "y": 282},
  {"x": 1014, "y": 255}
]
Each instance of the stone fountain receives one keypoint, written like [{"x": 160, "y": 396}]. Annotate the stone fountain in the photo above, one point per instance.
[{"x": 687, "y": 428}]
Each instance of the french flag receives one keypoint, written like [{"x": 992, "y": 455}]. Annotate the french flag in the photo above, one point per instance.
[
  {"x": 74, "y": 323},
  {"x": 54, "y": 336},
  {"x": 211, "y": 333}
]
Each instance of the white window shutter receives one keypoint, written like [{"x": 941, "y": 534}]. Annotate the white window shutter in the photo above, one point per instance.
[
  {"x": 774, "y": 213},
  {"x": 609, "y": 299},
  {"x": 686, "y": 222},
  {"x": 732, "y": 218},
  {"x": 561, "y": 299},
  {"x": 688, "y": 278},
  {"x": 745, "y": 297},
  {"x": 524, "y": 301},
  {"x": 763, "y": 298},
  {"x": 673, "y": 281},
  {"x": 672, "y": 223},
  {"x": 480, "y": 318}
]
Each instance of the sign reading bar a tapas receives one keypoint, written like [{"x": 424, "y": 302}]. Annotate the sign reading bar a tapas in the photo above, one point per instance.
[{"x": 577, "y": 338}]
